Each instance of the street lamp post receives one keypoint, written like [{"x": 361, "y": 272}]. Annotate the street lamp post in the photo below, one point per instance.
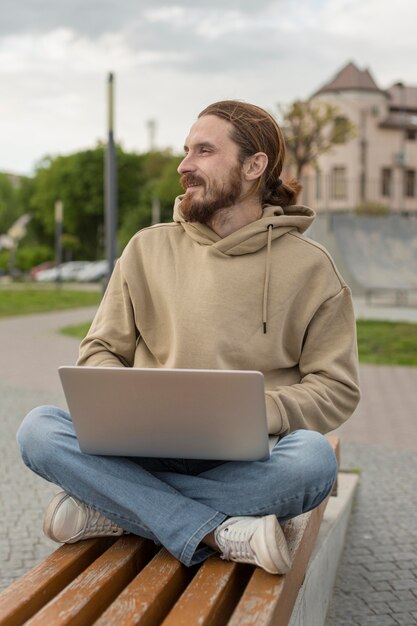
[
  {"x": 110, "y": 183},
  {"x": 59, "y": 220}
]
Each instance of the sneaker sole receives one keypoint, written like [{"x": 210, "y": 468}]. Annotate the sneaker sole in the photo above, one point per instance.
[
  {"x": 279, "y": 556},
  {"x": 50, "y": 515}
]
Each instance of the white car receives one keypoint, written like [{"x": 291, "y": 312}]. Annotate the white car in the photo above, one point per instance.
[
  {"x": 69, "y": 271},
  {"x": 64, "y": 272},
  {"x": 94, "y": 271},
  {"x": 45, "y": 276}
]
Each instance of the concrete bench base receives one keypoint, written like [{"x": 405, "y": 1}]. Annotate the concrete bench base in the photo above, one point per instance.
[{"x": 314, "y": 596}]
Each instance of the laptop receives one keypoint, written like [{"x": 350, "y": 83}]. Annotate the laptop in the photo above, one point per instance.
[{"x": 168, "y": 413}]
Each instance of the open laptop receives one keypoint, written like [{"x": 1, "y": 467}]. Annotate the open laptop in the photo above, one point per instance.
[{"x": 168, "y": 413}]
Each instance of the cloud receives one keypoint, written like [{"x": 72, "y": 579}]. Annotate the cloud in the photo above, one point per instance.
[
  {"x": 172, "y": 59},
  {"x": 95, "y": 17}
]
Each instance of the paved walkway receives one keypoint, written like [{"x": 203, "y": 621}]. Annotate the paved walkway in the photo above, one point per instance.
[
  {"x": 377, "y": 581},
  {"x": 30, "y": 352}
]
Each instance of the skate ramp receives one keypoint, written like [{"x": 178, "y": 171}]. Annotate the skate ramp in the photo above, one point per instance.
[{"x": 372, "y": 253}]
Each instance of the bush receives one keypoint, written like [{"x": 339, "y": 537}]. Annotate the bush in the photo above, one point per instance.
[
  {"x": 4, "y": 260},
  {"x": 28, "y": 257},
  {"x": 371, "y": 207}
]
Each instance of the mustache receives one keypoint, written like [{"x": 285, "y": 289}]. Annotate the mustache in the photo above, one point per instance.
[{"x": 189, "y": 179}]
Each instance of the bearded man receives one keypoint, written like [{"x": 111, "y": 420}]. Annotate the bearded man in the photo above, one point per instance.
[{"x": 231, "y": 283}]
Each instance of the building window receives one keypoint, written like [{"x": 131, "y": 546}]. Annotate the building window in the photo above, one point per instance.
[
  {"x": 386, "y": 181},
  {"x": 318, "y": 185},
  {"x": 411, "y": 135},
  {"x": 410, "y": 183},
  {"x": 338, "y": 185},
  {"x": 340, "y": 124}
]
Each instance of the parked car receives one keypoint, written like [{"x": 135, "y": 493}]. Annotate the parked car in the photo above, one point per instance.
[
  {"x": 94, "y": 271},
  {"x": 65, "y": 271},
  {"x": 48, "y": 275},
  {"x": 69, "y": 271},
  {"x": 40, "y": 268}
]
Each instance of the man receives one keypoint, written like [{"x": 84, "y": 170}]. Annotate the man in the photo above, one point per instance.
[{"x": 231, "y": 283}]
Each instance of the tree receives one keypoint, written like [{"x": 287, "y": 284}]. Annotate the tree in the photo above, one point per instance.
[
  {"x": 312, "y": 128},
  {"x": 78, "y": 180},
  {"x": 161, "y": 182},
  {"x": 10, "y": 202}
]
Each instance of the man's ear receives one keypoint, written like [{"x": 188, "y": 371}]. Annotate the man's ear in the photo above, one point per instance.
[{"x": 254, "y": 166}]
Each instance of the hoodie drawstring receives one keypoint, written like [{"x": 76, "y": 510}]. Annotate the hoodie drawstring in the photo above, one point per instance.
[{"x": 267, "y": 276}]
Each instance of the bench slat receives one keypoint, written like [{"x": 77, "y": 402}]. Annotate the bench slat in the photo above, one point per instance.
[
  {"x": 212, "y": 594},
  {"x": 31, "y": 592},
  {"x": 150, "y": 595},
  {"x": 93, "y": 590}
]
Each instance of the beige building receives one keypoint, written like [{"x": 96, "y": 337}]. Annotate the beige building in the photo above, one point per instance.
[{"x": 380, "y": 163}]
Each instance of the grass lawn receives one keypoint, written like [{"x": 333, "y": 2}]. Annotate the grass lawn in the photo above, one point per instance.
[
  {"x": 32, "y": 300},
  {"x": 389, "y": 343},
  {"x": 78, "y": 330}
]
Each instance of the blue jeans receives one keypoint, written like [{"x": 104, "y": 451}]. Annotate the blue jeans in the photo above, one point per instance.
[{"x": 177, "y": 502}]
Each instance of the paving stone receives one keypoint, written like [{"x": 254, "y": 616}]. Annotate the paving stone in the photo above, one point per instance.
[
  {"x": 402, "y": 605},
  {"x": 406, "y": 594},
  {"x": 379, "y": 620},
  {"x": 379, "y": 575},
  {"x": 382, "y": 586},
  {"x": 376, "y": 566},
  {"x": 380, "y": 544},
  {"x": 405, "y": 619},
  {"x": 407, "y": 583},
  {"x": 379, "y": 607}
]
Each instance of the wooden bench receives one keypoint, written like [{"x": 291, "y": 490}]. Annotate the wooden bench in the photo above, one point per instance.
[{"x": 128, "y": 580}]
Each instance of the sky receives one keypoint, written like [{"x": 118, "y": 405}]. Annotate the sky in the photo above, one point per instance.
[{"x": 171, "y": 59}]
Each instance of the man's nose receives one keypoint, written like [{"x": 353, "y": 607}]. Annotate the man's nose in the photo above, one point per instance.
[{"x": 186, "y": 165}]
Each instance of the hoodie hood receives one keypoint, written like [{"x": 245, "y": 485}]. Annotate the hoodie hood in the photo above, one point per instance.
[{"x": 274, "y": 223}]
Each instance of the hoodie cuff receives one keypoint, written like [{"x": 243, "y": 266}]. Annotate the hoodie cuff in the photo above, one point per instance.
[{"x": 273, "y": 416}]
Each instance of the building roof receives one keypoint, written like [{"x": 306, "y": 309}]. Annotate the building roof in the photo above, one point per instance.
[
  {"x": 402, "y": 98},
  {"x": 350, "y": 78}
]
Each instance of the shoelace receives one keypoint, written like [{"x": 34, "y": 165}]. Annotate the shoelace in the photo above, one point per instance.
[
  {"x": 237, "y": 546},
  {"x": 98, "y": 523}
]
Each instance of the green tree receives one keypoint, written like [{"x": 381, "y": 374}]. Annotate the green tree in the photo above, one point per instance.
[
  {"x": 78, "y": 180},
  {"x": 167, "y": 187},
  {"x": 162, "y": 182},
  {"x": 10, "y": 201},
  {"x": 312, "y": 128}
]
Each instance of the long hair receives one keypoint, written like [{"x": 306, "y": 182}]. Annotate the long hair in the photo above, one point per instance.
[{"x": 255, "y": 130}]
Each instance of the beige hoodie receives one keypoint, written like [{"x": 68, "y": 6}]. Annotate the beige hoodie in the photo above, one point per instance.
[{"x": 263, "y": 298}]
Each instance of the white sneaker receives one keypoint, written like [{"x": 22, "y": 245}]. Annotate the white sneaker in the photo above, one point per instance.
[
  {"x": 256, "y": 540},
  {"x": 68, "y": 520}
]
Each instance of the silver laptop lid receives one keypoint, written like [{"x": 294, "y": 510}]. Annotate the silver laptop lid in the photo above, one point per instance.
[{"x": 168, "y": 413}]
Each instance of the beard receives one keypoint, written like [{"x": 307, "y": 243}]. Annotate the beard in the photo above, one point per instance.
[{"x": 216, "y": 198}]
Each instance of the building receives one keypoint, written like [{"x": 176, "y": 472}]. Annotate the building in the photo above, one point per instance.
[{"x": 379, "y": 165}]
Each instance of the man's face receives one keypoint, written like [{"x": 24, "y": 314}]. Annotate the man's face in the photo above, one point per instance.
[{"x": 211, "y": 173}]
